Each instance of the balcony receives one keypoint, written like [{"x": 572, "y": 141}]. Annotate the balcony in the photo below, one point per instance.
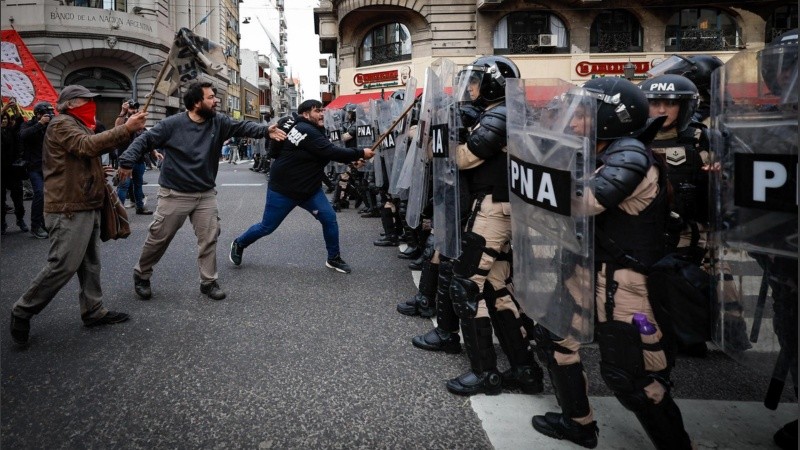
[
  {"x": 263, "y": 61},
  {"x": 263, "y": 83},
  {"x": 703, "y": 40},
  {"x": 616, "y": 42}
]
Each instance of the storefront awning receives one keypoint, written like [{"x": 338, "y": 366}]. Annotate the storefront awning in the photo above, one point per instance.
[{"x": 340, "y": 101}]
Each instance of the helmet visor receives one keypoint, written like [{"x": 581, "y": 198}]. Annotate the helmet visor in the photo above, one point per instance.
[
  {"x": 468, "y": 83},
  {"x": 674, "y": 64}
]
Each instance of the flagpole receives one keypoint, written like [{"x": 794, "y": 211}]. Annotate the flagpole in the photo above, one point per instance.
[{"x": 158, "y": 79}]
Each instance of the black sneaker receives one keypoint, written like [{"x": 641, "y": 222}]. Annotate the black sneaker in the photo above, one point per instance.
[
  {"x": 20, "y": 329},
  {"x": 110, "y": 318},
  {"x": 22, "y": 225},
  {"x": 212, "y": 290},
  {"x": 236, "y": 253},
  {"x": 39, "y": 233},
  {"x": 338, "y": 264},
  {"x": 142, "y": 287}
]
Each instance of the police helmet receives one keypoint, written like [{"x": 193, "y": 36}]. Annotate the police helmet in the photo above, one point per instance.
[
  {"x": 697, "y": 68},
  {"x": 778, "y": 62},
  {"x": 491, "y": 72},
  {"x": 674, "y": 87},
  {"x": 622, "y": 108},
  {"x": 42, "y": 108}
]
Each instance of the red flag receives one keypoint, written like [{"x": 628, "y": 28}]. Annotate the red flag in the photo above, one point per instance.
[{"x": 22, "y": 78}]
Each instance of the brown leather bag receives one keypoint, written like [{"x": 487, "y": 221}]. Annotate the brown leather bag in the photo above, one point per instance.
[{"x": 113, "y": 217}]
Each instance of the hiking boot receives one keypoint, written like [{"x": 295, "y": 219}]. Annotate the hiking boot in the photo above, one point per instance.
[
  {"x": 236, "y": 253},
  {"x": 142, "y": 287},
  {"x": 558, "y": 426},
  {"x": 437, "y": 340},
  {"x": 39, "y": 233},
  {"x": 338, "y": 264},
  {"x": 110, "y": 318},
  {"x": 144, "y": 211},
  {"x": 212, "y": 290},
  {"x": 20, "y": 329},
  {"x": 22, "y": 225}
]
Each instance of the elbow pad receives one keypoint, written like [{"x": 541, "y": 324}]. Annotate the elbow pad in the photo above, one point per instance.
[
  {"x": 625, "y": 164},
  {"x": 489, "y": 138}
]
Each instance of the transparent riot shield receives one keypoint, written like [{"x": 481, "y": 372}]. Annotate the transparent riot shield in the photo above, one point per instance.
[
  {"x": 754, "y": 228},
  {"x": 365, "y": 133},
  {"x": 381, "y": 113},
  {"x": 444, "y": 125},
  {"x": 419, "y": 156},
  {"x": 333, "y": 120},
  {"x": 551, "y": 148},
  {"x": 402, "y": 138}
]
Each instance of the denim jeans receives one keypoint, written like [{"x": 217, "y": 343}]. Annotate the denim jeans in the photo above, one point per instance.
[
  {"x": 137, "y": 178},
  {"x": 279, "y": 206},
  {"x": 37, "y": 204}
]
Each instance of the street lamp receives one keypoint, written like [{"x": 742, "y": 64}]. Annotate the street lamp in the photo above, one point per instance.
[{"x": 629, "y": 70}]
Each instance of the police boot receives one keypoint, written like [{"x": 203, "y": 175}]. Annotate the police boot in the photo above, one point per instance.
[
  {"x": 570, "y": 387},
  {"x": 524, "y": 373},
  {"x": 443, "y": 338},
  {"x": 426, "y": 255},
  {"x": 484, "y": 377},
  {"x": 424, "y": 302},
  {"x": 414, "y": 250},
  {"x": 663, "y": 423},
  {"x": 389, "y": 238}
]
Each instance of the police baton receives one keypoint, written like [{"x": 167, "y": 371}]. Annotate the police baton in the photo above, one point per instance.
[{"x": 387, "y": 132}]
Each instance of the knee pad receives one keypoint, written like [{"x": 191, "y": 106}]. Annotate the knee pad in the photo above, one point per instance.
[
  {"x": 472, "y": 247},
  {"x": 465, "y": 295}
]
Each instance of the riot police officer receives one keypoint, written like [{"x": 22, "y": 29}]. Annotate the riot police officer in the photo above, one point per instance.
[
  {"x": 698, "y": 69},
  {"x": 481, "y": 290},
  {"x": 628, "y": 198}
]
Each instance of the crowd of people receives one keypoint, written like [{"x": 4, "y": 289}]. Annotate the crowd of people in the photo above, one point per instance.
[{"x": 646, "y": 197}]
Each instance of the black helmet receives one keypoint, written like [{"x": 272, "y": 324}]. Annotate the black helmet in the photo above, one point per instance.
[
  {"x": 398, "y": 95},
  {"x": 42, "y": 108},
  {"x": 674, "y": 87},
  {"x": 622, "y": 108},
  {"x": 778, "y": 63},
  {"x": 491, "y": 72},
  {"x": 697, "y": 68}
]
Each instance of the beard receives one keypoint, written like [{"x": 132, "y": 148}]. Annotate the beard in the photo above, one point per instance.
[{"x": 206, "y": 113}]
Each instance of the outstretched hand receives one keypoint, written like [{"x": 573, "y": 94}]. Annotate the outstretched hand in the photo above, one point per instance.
[
  {"x": 368, "y": 153},
  {"x": 275, "y": 133}
]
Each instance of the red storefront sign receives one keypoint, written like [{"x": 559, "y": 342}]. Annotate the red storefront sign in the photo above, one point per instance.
[
  {"x": 361, "y": 79},
  {"x": 586, "y": 68}
]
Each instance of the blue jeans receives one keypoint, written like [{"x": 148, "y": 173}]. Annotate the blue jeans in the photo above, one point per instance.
[
  {"x": 137, "y": 178},
  {"x": 37, "y": 204},
  {"x": 279, "y": 206}
]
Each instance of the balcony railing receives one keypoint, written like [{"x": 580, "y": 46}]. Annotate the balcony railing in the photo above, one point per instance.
[
  {"x": 697, "y": 40},
  {"x": 263, "y": 83},
  {"x": 391, "y": 52},
  {"x": 616, "y": 42}
]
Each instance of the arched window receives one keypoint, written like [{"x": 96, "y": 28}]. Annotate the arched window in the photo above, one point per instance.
[
  {"x": 702, "y": 29},
  {"x": 615, "y": 31},
  {"x": 99, "y": 79},
  {"x": 530, "y": 32},
  {"x": 385, "y": 43},
  {"x": 783, "y": 19}
]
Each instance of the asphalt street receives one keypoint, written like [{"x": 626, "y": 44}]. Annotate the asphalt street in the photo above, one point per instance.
[{"x": 297, "y": 356}]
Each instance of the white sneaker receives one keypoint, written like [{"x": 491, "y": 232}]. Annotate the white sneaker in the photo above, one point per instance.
[{"x": 129, "y": 204}]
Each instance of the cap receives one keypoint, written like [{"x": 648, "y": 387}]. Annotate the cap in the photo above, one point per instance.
[{"x": 75, "y": 91}]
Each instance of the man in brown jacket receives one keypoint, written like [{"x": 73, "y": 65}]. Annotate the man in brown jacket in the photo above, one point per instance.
[{"x": 73, "y": 196}]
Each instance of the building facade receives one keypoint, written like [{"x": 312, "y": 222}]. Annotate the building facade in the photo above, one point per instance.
[
  {"x": 378, "y": 44},
  {"x": 117, "y": 47}
]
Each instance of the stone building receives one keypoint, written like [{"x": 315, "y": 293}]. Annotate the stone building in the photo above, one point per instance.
[{"x": 378, "y": 44}]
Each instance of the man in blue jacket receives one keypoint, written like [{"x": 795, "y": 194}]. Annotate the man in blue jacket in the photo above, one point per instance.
[{"x": 295, "y": 179}]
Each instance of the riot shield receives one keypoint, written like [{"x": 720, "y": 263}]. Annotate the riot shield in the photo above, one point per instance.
[
  {"x": 402, "y": 139},
  {"x": 381, "y": 112},
  {"x": 419, "y": 157},
  {"x": 365, "y": 133},
  {"x": 444, "y": 125},
  {"x": 333, "y": 126},
  {"x": 551, "y": 148},
  {"x": 754, "y": 193}
]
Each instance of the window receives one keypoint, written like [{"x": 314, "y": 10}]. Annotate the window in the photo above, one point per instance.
[
  {"x": 530, "y": 32},
  {"x": 386, "y": 43},
  {"x": 116, "y": 5},
  {"x": 702, "y": 29},
  {"x": 615, "y": 31},
  {"x": 783, "y": 19},
  {"x": 234, "y": 103},
  {"x": 233, "y": 76}
]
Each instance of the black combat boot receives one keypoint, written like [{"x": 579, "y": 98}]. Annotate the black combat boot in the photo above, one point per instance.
[
  {"x": 414, "y": 249},
  {"x": 424, "y": 302},
  {"x": 524, "y": 373},
  {"x": 427, "y": 254},
  {"x": 662, "y": 422},
  {"x": 443, "y": 338},
  {"x": 389, "y": 238},
  {"x": 570, "y": 387},
  {"x": 484, "y": 377}
]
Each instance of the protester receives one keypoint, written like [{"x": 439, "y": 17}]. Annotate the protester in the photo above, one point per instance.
[
  {"x": 135, "y": 183},
  {"x": 192, "y": 143},
  {"x": 11, "y": 177},
  {"x": 31, "y": 137},
  {"x": 296, "y": 179},
  {"x": 74, "y": 182}
]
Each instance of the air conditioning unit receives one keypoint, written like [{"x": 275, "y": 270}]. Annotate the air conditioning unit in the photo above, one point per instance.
[{"x": 548, "y": 40}]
